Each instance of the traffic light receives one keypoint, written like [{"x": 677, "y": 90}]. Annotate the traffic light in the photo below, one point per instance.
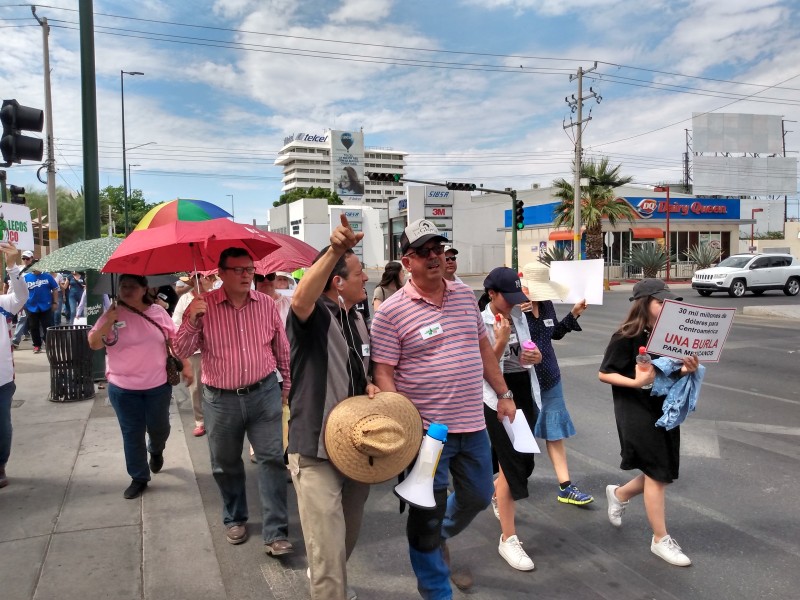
[
  {"x": 17, "y": 194},
  {"x": 469, "y": 187},
  {"x": 16, "y": 119},
  {"x": 383, "y": 176},
  {"x": 519, "y": 214}
]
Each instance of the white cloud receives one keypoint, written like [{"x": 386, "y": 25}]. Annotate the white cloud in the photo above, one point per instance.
[{"x": 361, "y": 10}]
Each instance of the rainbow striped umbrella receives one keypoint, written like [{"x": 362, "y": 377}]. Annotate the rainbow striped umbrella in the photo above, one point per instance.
[{"x": 181, "y": 209}]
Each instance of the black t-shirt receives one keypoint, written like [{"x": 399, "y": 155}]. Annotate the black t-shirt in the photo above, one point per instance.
[
  {"x": 329, "y": 362},
  {"x": 653, "y": 450}
]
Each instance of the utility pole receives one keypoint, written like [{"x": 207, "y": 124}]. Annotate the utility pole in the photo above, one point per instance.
[
  {"x": 50, "y": 163},
  {"x": 576, "y": 104},
  {"x": 91, "y": 166},
  {"x": 687, "y": 177}
]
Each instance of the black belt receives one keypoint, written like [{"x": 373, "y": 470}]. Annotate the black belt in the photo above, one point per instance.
[{"x": 242, "y": 391}]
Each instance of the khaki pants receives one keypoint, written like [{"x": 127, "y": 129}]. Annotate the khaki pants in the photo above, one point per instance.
[
  {"x": 331, "y": 507},
  {"x": 195, "y": 390}
]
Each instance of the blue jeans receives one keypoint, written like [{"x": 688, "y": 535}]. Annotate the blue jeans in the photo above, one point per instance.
[
  {"x": 468, "y": 457},
  {"x": 227, "y": 418},
  {"x": 6, "y": 395},
  {"x": 140, "y": 412},
  {"x": 21, "y": 330}
]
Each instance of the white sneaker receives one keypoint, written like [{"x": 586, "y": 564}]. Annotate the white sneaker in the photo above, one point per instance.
[
  {"x": 494, "y": 508},
  {"x": 615, "y": 506},
  {"x": 515, "y": 556},
  {"x": 669, "y": 550}
]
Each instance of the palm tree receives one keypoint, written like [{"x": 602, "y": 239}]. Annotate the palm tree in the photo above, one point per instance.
[{"x": 598, "y": 202}]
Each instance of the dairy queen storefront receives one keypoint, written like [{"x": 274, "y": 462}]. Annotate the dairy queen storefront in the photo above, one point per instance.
[{"x": 692, "y": 221}]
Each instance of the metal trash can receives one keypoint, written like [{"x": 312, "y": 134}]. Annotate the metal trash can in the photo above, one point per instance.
[{"x": 70, "y": 363}]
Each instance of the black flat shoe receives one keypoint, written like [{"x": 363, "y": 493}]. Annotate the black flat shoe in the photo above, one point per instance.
[
  {"x": 134, "y": 490},
  {"x": 156, "y": 462}
]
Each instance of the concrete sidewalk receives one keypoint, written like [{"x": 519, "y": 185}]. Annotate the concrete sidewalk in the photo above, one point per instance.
[{"x": 66, "y": 531}]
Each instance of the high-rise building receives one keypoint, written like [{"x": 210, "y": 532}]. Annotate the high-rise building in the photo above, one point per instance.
[{"x": 337, "y": 160}]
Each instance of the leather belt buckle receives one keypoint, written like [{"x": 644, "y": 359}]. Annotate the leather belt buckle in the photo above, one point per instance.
[{"x": 242, "y": 391}]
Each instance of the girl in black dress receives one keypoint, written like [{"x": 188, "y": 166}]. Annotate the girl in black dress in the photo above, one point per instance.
[{"x": 653, "y": 450}]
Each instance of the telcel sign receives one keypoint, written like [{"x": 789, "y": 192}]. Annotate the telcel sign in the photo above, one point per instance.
[{"x": 305, "y": 137}]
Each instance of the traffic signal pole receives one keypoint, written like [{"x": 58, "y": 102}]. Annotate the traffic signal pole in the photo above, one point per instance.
[{"x": 466, "y": 187}]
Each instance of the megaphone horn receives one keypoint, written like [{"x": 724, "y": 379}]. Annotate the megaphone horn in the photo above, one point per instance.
[{"x": 417, "y": 488}]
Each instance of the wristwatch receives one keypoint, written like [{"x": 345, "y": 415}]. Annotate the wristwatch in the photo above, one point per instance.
[{"x": 509, "y": 395}]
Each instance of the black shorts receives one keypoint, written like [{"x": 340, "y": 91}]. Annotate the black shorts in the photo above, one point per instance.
[{"x": 517, "y": 466}]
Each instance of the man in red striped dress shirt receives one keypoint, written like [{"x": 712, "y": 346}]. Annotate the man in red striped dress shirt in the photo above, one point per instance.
[{"x": 242, "y": 341}]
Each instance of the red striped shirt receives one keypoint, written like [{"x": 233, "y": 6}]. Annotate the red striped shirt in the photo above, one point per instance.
[
  {"x": 441, "y": 374},
  {"x": 238, "y": 346}
]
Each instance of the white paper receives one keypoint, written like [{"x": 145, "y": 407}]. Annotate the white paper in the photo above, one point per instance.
[
  {"x": 584, "y": 278},
  {"x": 520, "y": 434}
]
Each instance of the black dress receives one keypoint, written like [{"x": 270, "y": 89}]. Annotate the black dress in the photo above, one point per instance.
[{"x": 653, "y": 450}]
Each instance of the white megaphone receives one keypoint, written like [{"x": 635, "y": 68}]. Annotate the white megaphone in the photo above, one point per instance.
[{"x": 417, "y": 487}]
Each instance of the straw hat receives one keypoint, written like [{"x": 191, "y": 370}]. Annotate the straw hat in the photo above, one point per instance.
[
  {"x": 372, "y": 440},
  {"x": 536, "y": 277}
]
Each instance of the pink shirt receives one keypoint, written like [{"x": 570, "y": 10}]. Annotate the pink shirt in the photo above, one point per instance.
[
  {"x": 138, "y": 360},
  {"x": 239, "y": 346},
  {"x": 435, "y": 353}
]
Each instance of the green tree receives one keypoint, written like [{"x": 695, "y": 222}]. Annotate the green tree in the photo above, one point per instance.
[
  {"x": 598, "y": 202},
  {"x": 113, "y": 196},
  {"x": 312, "y": 192},
  {"x": 70, "y": 213}
]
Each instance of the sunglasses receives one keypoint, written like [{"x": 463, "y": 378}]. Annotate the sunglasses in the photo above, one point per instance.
[
  {"x": 268, "y": 277},
  {"x": 450, "y": 258},
  {"x": 426, "y": 252},
  {"x": 240, "y": 270}
]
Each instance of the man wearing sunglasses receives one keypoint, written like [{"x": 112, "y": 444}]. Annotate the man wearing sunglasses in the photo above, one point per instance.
[
  {"x": 242, "y": 341},
  {"x": 430, "y": 344},
  {"x": 451, "y": 264}
]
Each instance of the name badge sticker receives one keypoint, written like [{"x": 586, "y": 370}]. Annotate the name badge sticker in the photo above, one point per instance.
[
  {"x": 430, "y": 331},
  {"x": 364, "y": 349},
  {"x": 119, "y": 324},
  {"x": 549, "y": 323},
  {"x": 512, "y": 339}
]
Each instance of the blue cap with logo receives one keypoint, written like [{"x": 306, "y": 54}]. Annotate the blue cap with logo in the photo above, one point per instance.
[{"x": 506, "y": 281}]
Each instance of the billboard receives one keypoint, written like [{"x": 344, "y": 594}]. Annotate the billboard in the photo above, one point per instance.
[
  {"x": 736, "y": 132},
  {"x": 347, "y": 163},
  {"x": 744, "y": 176}
]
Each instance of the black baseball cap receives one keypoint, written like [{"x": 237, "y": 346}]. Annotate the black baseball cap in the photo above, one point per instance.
[
  {"x": 506, "y": 281},
  {"x": 655, "y": 288}
]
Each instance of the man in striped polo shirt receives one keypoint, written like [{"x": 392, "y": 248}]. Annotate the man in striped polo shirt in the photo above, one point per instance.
[{"x": 429, "y": 343}]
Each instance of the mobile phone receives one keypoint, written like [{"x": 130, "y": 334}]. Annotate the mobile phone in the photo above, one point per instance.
[{"x": 163, "y": 297}]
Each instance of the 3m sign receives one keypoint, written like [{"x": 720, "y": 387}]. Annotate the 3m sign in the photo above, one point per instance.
[{"x": 433, "y": 212}]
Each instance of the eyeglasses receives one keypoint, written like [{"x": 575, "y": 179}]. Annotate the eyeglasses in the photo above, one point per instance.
[
  {"x": 240, "y": 270},
  {"x": 450, "y": 258},
  {"x": 426, "y": 252}
]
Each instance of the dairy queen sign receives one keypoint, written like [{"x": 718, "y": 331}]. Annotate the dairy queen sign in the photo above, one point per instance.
[{"x": 685, "y": 208}]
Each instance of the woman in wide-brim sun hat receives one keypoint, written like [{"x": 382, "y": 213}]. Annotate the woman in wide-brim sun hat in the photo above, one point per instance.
[{"x": 554, "y": 423}]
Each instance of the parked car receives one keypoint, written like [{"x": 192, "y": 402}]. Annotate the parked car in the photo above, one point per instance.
[{"x": 757, "y": 273}]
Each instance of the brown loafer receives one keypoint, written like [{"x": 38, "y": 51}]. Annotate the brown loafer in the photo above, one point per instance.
[
  {"x": 279, "y": 547},
  {"x": 236, "y": 534},
  {"x": 460, "y": 576}
]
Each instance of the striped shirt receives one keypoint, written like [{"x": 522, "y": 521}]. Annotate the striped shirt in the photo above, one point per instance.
[
  {"x": 435, "y": 353},
  {"x": 239, "y": 346}
]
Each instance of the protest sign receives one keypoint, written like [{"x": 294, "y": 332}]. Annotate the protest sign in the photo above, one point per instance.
[
  {"x": 685, "y": 329},
  {"x": 584, "y": 278},
  {"x": 15, "y": 226}
]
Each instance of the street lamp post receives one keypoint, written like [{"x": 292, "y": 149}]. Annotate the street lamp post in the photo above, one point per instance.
[
  {"x": 233, "y": 213},
  {"x": 124, "y": 158},
  {"x": 130, "y": 179},
  {"x": 665, "y": 188},
  {"x": 752, "y": 227}
]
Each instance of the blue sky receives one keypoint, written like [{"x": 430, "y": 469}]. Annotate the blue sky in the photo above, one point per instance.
[{"x": 472, "y": 89}]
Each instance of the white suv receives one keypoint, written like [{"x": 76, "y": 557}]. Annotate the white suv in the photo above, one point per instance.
[{"x": 754, "y": 272}]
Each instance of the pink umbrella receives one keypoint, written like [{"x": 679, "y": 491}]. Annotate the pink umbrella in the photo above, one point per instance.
[
  {"x": 186, "y": 246},
  {"x": 292, "y": 254}
]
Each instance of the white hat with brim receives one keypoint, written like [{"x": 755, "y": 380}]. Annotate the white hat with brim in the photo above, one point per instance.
[
  {"x": 371, "y": 440},
  {"x": 536, "y": 278}
]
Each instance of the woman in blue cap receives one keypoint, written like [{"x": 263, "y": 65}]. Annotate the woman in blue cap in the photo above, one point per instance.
[{"x": 508, "y": 331}]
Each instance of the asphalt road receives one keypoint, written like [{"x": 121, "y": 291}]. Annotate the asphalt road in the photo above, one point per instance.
[{"x": 733, "y": 510}]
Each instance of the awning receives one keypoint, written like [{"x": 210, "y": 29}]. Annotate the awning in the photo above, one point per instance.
[
  {"x": 560, "y": 235},
  {"x": 647, "y": 233}
]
